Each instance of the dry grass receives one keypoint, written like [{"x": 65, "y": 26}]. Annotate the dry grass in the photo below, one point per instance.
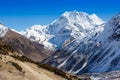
[{"x": 19, "y": 67}]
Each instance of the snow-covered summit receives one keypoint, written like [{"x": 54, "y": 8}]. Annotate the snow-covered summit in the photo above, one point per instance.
[
  {"x": 3, "y": 30},
  {"x": 39, "y": 34},
  {"x": 85, "y": 20},
  {"x": 74, "y": 24},
  {"x": 77, "y": 21},
  {"x": 71, "y": 24},
  {"x": 34, "y": 33}
]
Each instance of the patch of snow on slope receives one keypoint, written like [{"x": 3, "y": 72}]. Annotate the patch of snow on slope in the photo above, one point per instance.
[{"x": 37, "y": 33}]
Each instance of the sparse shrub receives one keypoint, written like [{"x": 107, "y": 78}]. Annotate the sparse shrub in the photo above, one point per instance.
[
  {"x": 5, "y": 48},
  {"x": 16, "y": 66},
  {"x": 22, "y": 58},
  {"x": 46, "y": 66},
  {"x": 57, "y": 71}
]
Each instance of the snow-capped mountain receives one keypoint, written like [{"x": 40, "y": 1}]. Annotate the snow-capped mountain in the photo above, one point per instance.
[
  {"x": 3, "y": 30},
  {"x": 98, "y": 54},
  {"x": 71, "y": 25},
  {"x": 110, "y": 43},
  {"x": 38, "y": 34},
  {"x": 82, "y": 46},
  {"x": 21, "y": 44}
]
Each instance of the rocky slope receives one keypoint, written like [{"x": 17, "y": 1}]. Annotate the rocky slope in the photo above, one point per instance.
[
  {"x": 15, "y": 66},
  {"x": 22, "y": 45}
]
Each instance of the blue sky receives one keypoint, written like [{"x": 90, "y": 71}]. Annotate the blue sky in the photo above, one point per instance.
[{"x": 21, "y": 14}]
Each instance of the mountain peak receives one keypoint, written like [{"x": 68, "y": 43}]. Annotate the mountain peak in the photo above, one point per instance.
[
  {"x": 3, "y": 30},
  {"x": 36, "y": 27},
  {"x": 115, "y": 20},
  {"x": 71, "y": 24},
  {"x": 75, "y": 13},
  {"x": 111, "y": 29},
  {"x": 79, "y": 19},
  {"x": 82, "y": 16}
]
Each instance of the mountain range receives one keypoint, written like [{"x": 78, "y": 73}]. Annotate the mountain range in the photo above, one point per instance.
[
  {"x": 23, "y": 45},
  {"x": 76, "y": 43},
  {"x": 70, "y": 25}
]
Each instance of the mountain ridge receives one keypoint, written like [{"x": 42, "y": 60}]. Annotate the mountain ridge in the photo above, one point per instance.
[
  {"x": 69, "y": 25},
  {"x": 22, "y": 45},
  {"x": 15, "y": 66}
]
